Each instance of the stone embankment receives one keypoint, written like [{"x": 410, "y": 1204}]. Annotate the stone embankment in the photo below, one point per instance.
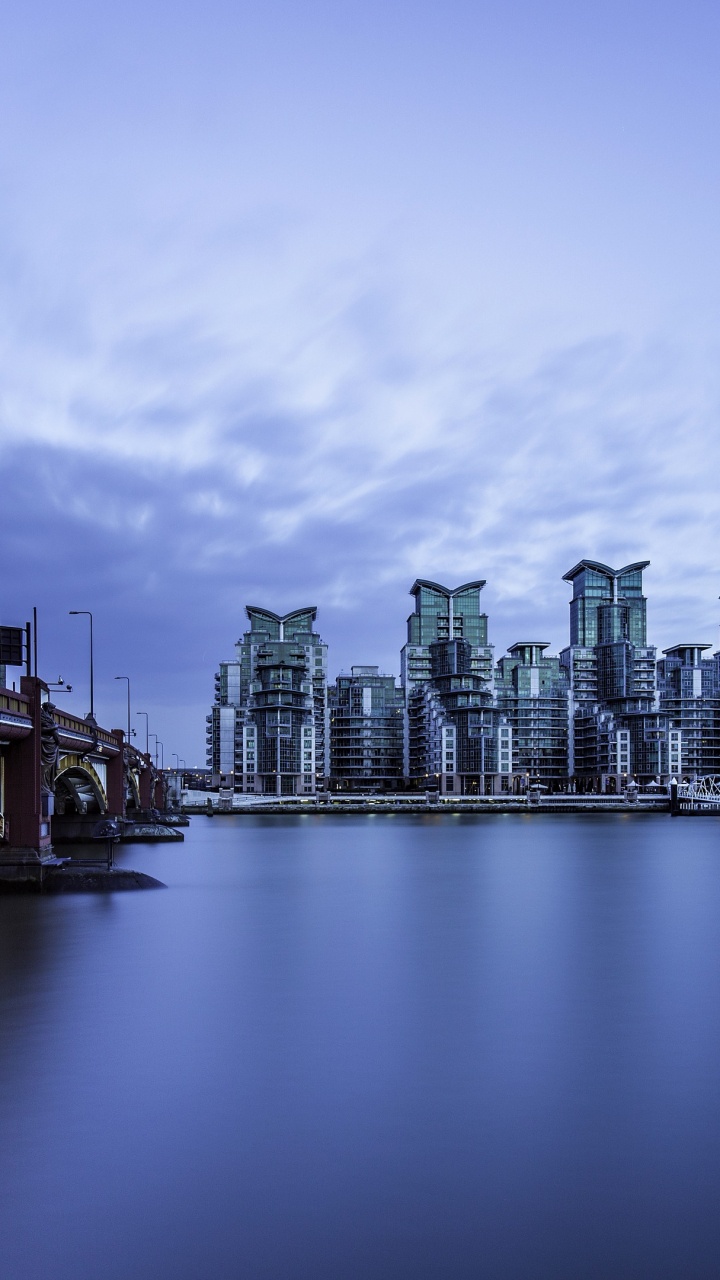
[{"x": 490, "y": 804}]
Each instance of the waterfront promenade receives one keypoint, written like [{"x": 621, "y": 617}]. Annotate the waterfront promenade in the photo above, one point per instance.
[{"x": 417, "y": 803}]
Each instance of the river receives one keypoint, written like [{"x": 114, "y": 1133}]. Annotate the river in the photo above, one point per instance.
[{"x": 379, "y": 1046}]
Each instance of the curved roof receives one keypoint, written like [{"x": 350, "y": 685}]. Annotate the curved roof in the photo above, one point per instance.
[
  {"x": 674, "y": 648},
  {"x": 445, "y": 591},
  {"x": 254, "y": 611},
  {"x": 603, "y": 568}
]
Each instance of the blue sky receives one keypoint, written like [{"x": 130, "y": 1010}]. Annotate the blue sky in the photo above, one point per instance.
[{"x": 301, "y": 302}]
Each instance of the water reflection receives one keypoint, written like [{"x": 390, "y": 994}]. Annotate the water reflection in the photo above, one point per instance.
[{"x": 341, "y": 1047}]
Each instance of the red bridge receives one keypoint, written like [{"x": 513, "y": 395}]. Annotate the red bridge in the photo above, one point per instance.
[{"x": 59, "y": 775}]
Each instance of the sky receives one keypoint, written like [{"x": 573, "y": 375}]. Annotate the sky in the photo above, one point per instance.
[{"x": 301, "y": 302}]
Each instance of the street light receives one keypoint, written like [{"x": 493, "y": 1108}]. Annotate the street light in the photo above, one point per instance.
[
  {"x": 76, "y": 613},
  {"x": 147, "y": 744},
  {"x": 158, "y": 743},
  {"x": 128, "y": 704}
]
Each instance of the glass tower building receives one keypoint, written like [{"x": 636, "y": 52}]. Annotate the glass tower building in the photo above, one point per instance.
[
  {"x": 690, "y": 697},
  {"x": 451, "y": 735},
  {"x": 442, "y": 614},
  {"x": 268, "y": 728},
  {"x": 532, "y": 694},
  {"x": 615, "y": 729},
  {"x": 366, "y": 731}
]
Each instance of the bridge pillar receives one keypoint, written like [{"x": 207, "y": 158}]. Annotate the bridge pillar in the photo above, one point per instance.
[
  {"x": 116, "y": 778},
  {"x": 146, "y": 784},
  {"x": 29, "y": 826}
]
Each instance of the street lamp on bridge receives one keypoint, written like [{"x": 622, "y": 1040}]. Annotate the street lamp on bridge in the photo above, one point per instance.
[
  {"x": 147, "y": 723},
  {"x": 158, "y": 743},
  {"x": 87, "y": 614}
]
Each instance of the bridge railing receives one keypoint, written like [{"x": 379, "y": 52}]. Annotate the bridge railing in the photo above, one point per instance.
[{"x": 701, "y": 793}]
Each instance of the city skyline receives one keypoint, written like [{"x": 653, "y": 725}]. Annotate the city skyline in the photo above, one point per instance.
[
  {"x": 173, "y": 720},
  {"x": 474, "y": 720}
]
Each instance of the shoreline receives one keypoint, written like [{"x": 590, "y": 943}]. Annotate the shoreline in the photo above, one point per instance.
[{"x": 574, "y": 805}]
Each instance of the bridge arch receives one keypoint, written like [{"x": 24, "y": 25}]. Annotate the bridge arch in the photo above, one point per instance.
[
  {"x": 133, "y": 790},
  {"x": 78, "y": 789}
]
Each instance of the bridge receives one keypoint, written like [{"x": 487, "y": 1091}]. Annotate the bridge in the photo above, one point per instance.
[
  {"x": 58, "y": 775},
  {"x": 702, "y": 795}
]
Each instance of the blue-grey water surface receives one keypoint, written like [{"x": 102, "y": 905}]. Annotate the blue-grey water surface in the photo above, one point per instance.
[{"x": 384, "y": 1046}]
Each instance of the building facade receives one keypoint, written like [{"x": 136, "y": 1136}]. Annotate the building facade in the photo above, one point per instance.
[
  {"x": 600, "y": 715},
  {"x": 616, "y": 731},
  {"x": 366, "y": 731},
  {"x": 268, "y": 728},
  {"x": 689, "y": 696},
  {"x": 532, "y": 696},
  {"x": 446, "y": 670}
]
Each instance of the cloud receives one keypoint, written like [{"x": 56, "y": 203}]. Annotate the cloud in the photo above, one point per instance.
[{"x": 207, "y": 429}]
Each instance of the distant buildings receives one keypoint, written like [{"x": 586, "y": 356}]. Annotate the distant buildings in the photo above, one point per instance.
[{"x": 603, "y": 712}]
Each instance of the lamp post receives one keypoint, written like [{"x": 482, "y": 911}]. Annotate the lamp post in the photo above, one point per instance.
[
  {"x": 178, "y": 778},
  {"x": 128, "y": 704},
  {"x": 158, "y": 743},
  {"x": 87, "y": 614},
  {"x": 162, "y": 753},
  {"x": 147, "y": 735}
]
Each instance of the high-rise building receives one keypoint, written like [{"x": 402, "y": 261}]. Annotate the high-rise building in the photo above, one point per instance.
[
  {"x": 452, "y": 732},
  {"x": 442, "y": 614},
  {"x": 442, "y": 617},
  {"x": 690, "y": 698},
  {"x": 532, "y": 695},
  {"x": 366, "y": 731},
  {"x": 451, "y": 735},
  {"x": 615, "y": 731},
  {"x": 267, "y": 731}
]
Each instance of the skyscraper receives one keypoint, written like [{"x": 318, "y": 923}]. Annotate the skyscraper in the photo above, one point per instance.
[
  {"x": 267, "y": 731},
  {"x": 447, "y": 676},
  {"x": 615, "y": 731}
]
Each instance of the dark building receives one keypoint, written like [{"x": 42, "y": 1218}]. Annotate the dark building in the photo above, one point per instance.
[
  {"x": 452, "y": 733},
  {"x": 267, "y": 731},
  {"x": 366, "y": 731},
  {"x": 690, "y": 699},
  {"x": 532, "y": 694},
  {"x": 615, "y": 731}
]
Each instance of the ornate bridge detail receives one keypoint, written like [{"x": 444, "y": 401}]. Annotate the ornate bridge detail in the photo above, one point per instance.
[
  {"x": 80, "y": 784},
  {"x": 701, "y": 795}
]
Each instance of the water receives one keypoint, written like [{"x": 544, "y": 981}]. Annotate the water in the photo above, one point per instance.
[{"x": 391, "y": 1047}]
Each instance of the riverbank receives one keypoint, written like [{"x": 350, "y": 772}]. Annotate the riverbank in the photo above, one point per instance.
[{"x": 488, "y": 804}]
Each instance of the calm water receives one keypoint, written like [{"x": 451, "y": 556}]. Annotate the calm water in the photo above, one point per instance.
[{"x": 370, "y": 1047}]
